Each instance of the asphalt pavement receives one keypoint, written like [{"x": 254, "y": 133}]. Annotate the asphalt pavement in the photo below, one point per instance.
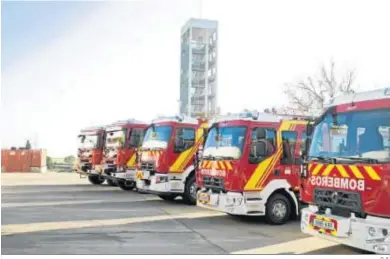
[{"x": 87, "y": 219}]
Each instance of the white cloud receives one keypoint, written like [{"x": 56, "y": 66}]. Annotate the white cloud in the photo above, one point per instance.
[{"x": 122, "y": 61}]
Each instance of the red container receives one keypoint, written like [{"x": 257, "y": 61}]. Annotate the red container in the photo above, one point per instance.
[
  {"x": 22, "y": 160},
  {"x": 38, "y": 158},
  {"x": 3, "y": 159}
]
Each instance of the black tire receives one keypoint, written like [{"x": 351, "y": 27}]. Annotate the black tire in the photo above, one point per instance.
[
  {"x": 111, "y": 182},
  {"x": 168, "y": 197},
  {"x": 95, "y": 180},
  {"x": 126, "y": 185},
  {"x": 190, "y": 186},
  {"x": 278, "y": 209}
]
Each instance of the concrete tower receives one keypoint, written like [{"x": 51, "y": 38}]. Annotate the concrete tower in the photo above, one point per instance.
[{"x": 198, "y": 68}]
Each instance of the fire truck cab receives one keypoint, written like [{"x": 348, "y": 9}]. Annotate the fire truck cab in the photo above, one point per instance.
[
  {"x": 346, "y": 177},
  {"x": 250, "y": 166},
  {"x": 90, "y": 154},
  {"x": 166, "y": 158},
  {"x": 119, "y": 161}
]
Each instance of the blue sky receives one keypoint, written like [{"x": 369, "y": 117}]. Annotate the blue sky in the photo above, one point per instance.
[
  {"x": 27, "y": 24},
  {"x": 67, "y": 65}
]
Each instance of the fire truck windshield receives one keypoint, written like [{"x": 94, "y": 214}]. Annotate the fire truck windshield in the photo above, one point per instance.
[
  {"x": 355, "y": 136},
  {"x": 115, "y": 139},
  {"x": 88, "y": 141},
  {"x": 225, "y": 142},
  {"x": 157, "y": 137}
]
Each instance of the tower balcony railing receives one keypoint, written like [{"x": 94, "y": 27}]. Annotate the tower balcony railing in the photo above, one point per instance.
[{"x": 199, "y": 66}]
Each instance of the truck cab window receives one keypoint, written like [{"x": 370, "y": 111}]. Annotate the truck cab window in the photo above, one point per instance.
[
  {"x": 136, "y": 137},
  {"x": 262, "y": 144},
  {"x": 289, "y": 141},
  {"x": 184, "y": 139},
  {"x": 302, "y": 146}
]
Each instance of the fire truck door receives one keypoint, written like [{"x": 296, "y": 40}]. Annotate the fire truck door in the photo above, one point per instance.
[{"x": 289, "y": 164}]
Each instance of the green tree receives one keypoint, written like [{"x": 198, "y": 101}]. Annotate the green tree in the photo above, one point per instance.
[
  {"x": 28, "y": 144},
  {"x": 70, "y": 159}
]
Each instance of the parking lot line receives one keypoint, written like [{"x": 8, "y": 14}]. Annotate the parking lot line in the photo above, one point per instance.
[
  {"x": 72, "y": 190},
  {"x": 56, "y": 203},
  {"x": 47, "y": 226},
  {"x": 300, "y": 246}
]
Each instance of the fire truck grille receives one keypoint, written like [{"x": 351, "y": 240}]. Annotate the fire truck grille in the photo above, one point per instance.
[
  {"x": 213, "y": 183},
  {"x": 338, "y": 201},
  {"x": 149, "y": 166}
]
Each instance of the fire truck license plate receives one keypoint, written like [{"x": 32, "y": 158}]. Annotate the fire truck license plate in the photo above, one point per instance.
[
  {"x": 204, "y": 198},
  {"x": 323, "y": 224}
]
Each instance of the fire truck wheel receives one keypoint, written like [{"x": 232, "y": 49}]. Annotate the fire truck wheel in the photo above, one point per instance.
[
  {"x": 168, "y": 197},
  {"x": 278, "y": 209},
  {"x": 126, "y": 185},
  {"x": 111, "y": 182},
  {"x": 189, "y": 195},
  {"x": 95, "y": 179}
]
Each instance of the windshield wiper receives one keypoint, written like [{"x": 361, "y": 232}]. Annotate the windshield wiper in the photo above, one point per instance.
[
  {"x": 362, "y": 159},
  {"x": 224, "y": 158},
  {"x": 331, "y": 160},
  {"x": 209, "y": 157}
]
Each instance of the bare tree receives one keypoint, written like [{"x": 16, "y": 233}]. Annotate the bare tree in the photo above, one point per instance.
[{"x": 312, "y": 93}]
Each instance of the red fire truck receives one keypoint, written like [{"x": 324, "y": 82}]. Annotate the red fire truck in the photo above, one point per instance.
[
  {"x": 251, "y": 166},
  {"x": 166, "y": 158},
  {"x": 90, "y": 154},
  {"x": 346, "y": 180},
  {"x": 119, "y": 161}
]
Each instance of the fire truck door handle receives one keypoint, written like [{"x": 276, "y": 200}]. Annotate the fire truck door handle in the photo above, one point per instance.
[{"x": 276, "y": 172}]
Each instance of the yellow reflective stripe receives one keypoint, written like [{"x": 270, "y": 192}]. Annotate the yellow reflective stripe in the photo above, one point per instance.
[
  {"x": 131, "y": 161},
  {"x": 258, "y": 173},
  {"x": 221, "y": 165},
  {"x": 371, "y": 172},
  {"x": 327, "y": 170},
  {"x": 356, "y": 172},
  {"x": 342, "y": 171},
  {"x": 209, "y": 164},
  {"x": 317, "y": 169},
  {"x": 179, "y": 161},
  {"x": 229, "y": 165},
  {"x": 310, "y": 166}
]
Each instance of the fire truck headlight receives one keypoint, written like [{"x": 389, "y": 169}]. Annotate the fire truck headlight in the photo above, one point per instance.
[
  {"x": 381, "y": 248},
  {"x": 372, "y": 231},
  {"x": 237, "y": 201},
  {"x": 229, "y": 201},
  {"x": 161, "y": 179}
]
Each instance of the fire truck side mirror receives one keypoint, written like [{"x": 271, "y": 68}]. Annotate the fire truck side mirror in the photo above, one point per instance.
[
  {"x": 205, "y": 132},
  {"x": 309, "y": 129}
]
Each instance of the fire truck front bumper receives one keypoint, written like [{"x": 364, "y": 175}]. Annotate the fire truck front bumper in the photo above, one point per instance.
[
  {"x": 86, "y": 170},
  {"x": 128, "y": 175},
  {"x": 233, "y": 203},
  {"x": 159, "y": 183},
  {"x": 371, "y": 234}
]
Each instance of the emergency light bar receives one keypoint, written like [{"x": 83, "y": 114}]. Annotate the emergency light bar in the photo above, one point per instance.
[
  {"x": 178, "y": 118},
  {"x": 93, "y": 128},
  {"x": 128, "y": 121},
  {"x": 360, "y": 97},
  {"x": 246, "y": 115}
]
